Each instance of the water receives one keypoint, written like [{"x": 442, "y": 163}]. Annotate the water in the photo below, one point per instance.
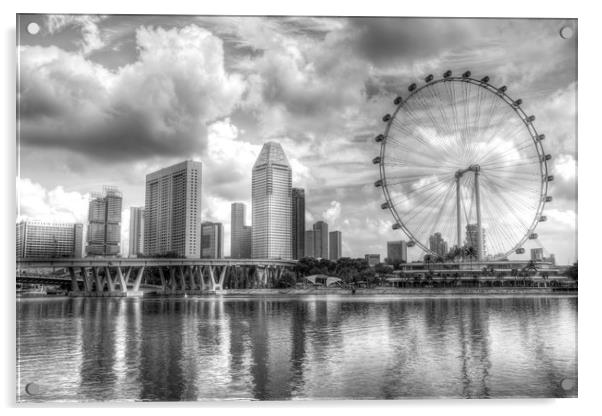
[{"x": 316, "y": 347}]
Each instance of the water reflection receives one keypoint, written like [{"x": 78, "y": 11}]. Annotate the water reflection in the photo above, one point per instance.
[{"x": 314, "y": 347}]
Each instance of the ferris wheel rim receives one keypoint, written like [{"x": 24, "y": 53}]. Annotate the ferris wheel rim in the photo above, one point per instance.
[{"x": 500, "y": 92}]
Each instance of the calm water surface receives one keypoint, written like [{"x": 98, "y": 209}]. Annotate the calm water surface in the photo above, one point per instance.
[{"x": 333, "y": 347}]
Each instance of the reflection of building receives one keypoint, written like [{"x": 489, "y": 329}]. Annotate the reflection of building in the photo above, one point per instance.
[
  {"x": 136, "y": 231},
  {"x": 272, "y": 206},
  {"x": 212, "y": 240},
  {"x": 172, "y": 212},
  {"x": 298, "y": 222},
  {"x": 104, "y": 223},
  {"x": 321, "y": 240},
  {"x": 537, "y": 254},
  {"x": 372, "y": 259},
  {"x": 397, "y": 252},
  {"x": 309, "y": 243},
  {"x": 438, "y": 245},
  {"x": 240, "y": 234},
  {"x": 335, "y": 247},
  {"x": 48, "y": 239},
  {"x": 472, "y": 240}
]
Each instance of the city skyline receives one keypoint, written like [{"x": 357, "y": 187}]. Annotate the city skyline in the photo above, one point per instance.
[{"x": 324, "y": 155}]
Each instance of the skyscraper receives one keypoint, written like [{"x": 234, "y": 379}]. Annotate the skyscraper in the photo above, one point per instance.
[
  {"x": 321, "y": 240},
  {"x": 104, "y": 223},
  {"x": 240, "y": 234},
  {"x": 397, "y": 252},
  {"x": 335, "y": 247},
  {"x": 271, "y": 196},
  {"x": 172, "y": 210},
  {"x": 136, "y": 231},
  {"x": 537, "y": 254},
  {"x": 309, "y": 244},
  {"x": 298, "y": 232},
  {"x": 472, "y": 240},
  {"x": 49, "y": 239},
  {"x": 212, "y": 240},
  {"x": 438, "y": 244}
]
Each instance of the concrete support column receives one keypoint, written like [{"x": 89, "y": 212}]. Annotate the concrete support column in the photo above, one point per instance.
[
  {"x": 139, "y": 275},
  {"x": 97, "y": 280},
  {"x": 123, "y": 287},
  {"x": 74, "y": 284},
  {"x": 222, "y": 277},
  {"x": 163, "y": 283},
  {"x": 190, "y": 272},
  {"x": 109, "y": 279},
  {"x": 201, "y": 276},
  {"x": 212, "y": 282},
  {"x": 182, "y": 278},
  {"x": 172, "y": 279}
]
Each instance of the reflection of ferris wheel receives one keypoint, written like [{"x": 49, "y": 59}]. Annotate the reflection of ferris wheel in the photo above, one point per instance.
[{"x": 462, "y": 164}]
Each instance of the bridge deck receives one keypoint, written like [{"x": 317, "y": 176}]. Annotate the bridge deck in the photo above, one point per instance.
[{"x": 148, "y": 262}]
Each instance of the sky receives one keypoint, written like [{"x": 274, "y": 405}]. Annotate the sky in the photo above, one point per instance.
[{"x": 104, "y": 100}]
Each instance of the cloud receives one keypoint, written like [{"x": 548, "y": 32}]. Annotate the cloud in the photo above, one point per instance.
[
  {"x": 91, "y": 38},
  {"x": 159, "y": 105},
  {"x": 332, "y": 214}
]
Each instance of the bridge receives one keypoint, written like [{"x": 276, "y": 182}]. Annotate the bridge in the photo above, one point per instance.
[{"x": 113, "y": 276}]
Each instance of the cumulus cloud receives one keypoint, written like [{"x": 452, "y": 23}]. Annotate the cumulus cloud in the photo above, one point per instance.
[
  {"x": 34, "y": 202},
  {"x": 160, "y": 104},
  {"x": 87, "y": 24},
  {"x": 331, "y": 215}
]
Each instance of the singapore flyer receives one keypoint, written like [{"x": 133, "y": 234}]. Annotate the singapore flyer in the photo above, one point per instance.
[{"x": 461, "y": 161}]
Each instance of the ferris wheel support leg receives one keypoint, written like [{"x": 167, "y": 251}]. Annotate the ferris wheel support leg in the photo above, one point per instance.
[
  {"x": 458, "y": 218},
  {"x": 479, "y": 225}
]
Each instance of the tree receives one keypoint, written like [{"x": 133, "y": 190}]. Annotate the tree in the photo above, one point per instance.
[
  {"x": 572, "y": 272},
  {"x": 287, "y": 280}
]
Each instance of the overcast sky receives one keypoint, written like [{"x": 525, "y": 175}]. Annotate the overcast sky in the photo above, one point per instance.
[{"x": 104, "y": 100}]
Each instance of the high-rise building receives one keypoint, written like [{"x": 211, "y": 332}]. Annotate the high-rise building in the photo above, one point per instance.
[
  {"x": 298, "y": 232},
  {"x": 472, "y": 240},
  {"x": 240, "y": 234},
  {"x": 272, "y": 206},
  {"x": 172, "y": 210},
  {"x": 212, "y": 240},
  {"x": 372, "y": 259},
  {"x": 335, "y": 245},
  {"x": 104, "y": 223},
  {"x": 309, "y": 244},
  {"x": 397, "y": 252},
  {"x": 136, "y": 231},
  {"x": 321, "y": 240},
  {"x": 537, "y": 254},
  {"x": 49, "y": 239},
  {"x": 438, "y": 244}
]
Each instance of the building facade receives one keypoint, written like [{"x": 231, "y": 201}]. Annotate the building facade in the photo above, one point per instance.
[
  {"x": 335, "y": 242},
  {"x": 472, "y": 240},
  {"x": 246, "y": 242},
  {"x": 372, "y": 259},
  {"x": 309, "y": 244},
  {"x": 212, "y": 240},
  {"x": 172, "y": 211},
  {"x": 272, "y": 204},
  {"x": 321, "y": 240},
  {"x": 397, "y": 252},
  {"x": 438, "y": 245},
  {"x": 104, "y": 223},
  {"x": 49, "y": 239},
  {"x": 240, "y": 234},
  {"x": 298, "y": 231},
  {"x": 136, "y": 244}
]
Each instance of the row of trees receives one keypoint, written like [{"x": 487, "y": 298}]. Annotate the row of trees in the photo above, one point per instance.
[{"x": 348, "y": 269}]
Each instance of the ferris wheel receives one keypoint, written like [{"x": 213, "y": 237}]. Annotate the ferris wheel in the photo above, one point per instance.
[{"x": 461, "y": 164}]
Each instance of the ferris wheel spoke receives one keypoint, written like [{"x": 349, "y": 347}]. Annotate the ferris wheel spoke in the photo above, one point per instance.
[{"x": 511, "y": 208}]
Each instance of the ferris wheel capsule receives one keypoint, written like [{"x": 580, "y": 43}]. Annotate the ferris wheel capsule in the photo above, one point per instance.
[
  {"x": 502, "y": 89},
  {"x": 517, "y": 102},
  {"x": 466, "y": 74},
  {"x": 379, "y": 138},
  {"x": 447, "y": 74},
  {"x": 541, "y": 137},
  {"x": 376, "y": 160},
  {"x": 531, "y": 119},
  {"x": 411, "y": 243},
  {"x": 549, "y": 198},
  {"x": 387, "y": 117},
  {"x": 519, "y": 250},
  {"x": 550, "y": 178},
  {"x": 397, "y": 100},
  {"x": 378, "y": 183},
  {"x": 396, "y": 226},
  {"x": 533, "y": 236},
  {"x": 412, "y": 87},
  {"x": 485, "y": 80},
  {"x": 429, "y": 78},
  {"x": 543, "y": 218},
  {"x": 547, "y": 157},
  {"x": 384, "y": 205}
]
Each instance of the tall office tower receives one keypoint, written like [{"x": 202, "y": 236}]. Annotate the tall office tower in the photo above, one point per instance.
[
  {"x": 321, "y": 240},
  {"x": 372, "y": 259},
  {"x": 136, "y": 231},
  {"x": 397, "y": 252},
  {"x": 246, "y": 242},
  {"x": 49, "y": 239},
  {"x": 298, "y": 232},
  {"x": 438, "y": 244},
  {"x": 238, "y": 245},
  {"x": 271, "y": 196},
  {"x": 334, "y": 243},
  {"x": 212, "y": 240},
  {"x": 104, "y": 223},
  {"x": 309, "y": 244},
  {"x": 472, "y": 240},
  {"x": 537, "y": 254},
  {"x": 172, "y": 211}
]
